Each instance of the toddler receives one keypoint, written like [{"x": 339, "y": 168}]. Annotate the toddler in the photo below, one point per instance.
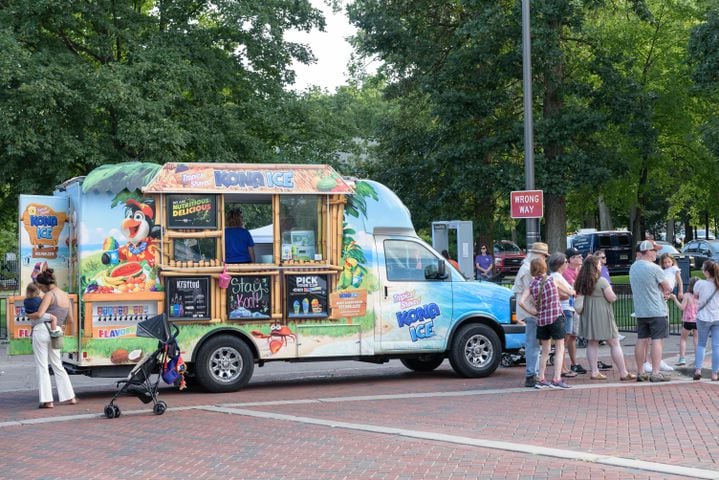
[
  {"x": 688, "y": 307},
  {"x": 32, "y": 304}
]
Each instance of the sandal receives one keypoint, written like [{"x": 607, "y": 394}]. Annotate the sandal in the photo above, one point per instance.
[
  {"x": 72, "y": 401},
  {"x": 628, "y": 376},
  {"x": 569, "y": 374},
  {"x": 599, "y": 376},
  {"x": 46, "y": 405}
]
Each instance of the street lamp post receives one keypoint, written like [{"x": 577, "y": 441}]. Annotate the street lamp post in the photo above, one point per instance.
[{"x": 532, "y": 223}]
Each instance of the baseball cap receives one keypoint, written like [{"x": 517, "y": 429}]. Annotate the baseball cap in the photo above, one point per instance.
[
  {"x": 571, "y": 252},
  {"x": 648, "y": 245}
]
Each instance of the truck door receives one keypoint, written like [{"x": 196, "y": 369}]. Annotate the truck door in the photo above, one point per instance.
[{"x": 416, "y": 305}]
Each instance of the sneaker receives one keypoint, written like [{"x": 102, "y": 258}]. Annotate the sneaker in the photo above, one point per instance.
[
  {"x": 542, "y": 384},
  {"x": 659, "y": 377},
  {"x": 621, "y": 337},
  {"x": 647, "y": 367},
  {"x": 642, "y": 377},
  {"x": 560, "y": 384},
  {"x": 530, "y": 382},
  {"x": 664, "y": 367},
  {"x": 579, "y": 369},
  {"x": 682, "y": 361},
  {"x": 603, "y": 366}
]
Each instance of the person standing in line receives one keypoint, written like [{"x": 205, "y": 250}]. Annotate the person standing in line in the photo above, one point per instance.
[
  {"x": 547, "y": 309},
  {"x": 574, "y": 259},
  {"x": 688, "y": 306},
  {"x": 521, "y": 283},
  {"x": 484, "y": 263},
  {"x": 557, "y": 265},
  {"x": 650, "y": 290},
  {"x": 602, "y": 256},
  {"x": 707, "y": 318},
  {"x": 597, "y": 318},
  {"x": 55, "y": 302},
  {"x": 446, "y": 256}
]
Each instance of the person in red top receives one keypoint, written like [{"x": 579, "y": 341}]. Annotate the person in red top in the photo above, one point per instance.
[
  {"x": 574, "y": 259},
  {"x": 550, "y": 320}
]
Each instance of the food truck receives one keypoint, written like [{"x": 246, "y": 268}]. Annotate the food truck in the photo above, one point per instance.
[{"x": 339, "y": 273}]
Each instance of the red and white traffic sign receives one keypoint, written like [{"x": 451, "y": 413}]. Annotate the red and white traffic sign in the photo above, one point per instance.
[{"x": 527, "y": 203}]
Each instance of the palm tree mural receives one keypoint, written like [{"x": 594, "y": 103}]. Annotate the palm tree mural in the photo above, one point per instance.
[{"x": 355, "y": 273}]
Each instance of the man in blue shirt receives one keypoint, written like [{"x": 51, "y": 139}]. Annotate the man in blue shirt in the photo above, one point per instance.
[{"x": 239, "y": 246}]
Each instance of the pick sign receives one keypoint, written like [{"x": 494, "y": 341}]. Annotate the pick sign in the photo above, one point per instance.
[{"x": 527, "y": 203}]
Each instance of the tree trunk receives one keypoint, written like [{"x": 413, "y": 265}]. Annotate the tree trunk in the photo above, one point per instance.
[
  {"x": 605, "y": 216},
  {"x": 555, "y": 218}
]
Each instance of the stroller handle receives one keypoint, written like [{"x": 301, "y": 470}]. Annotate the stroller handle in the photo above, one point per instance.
[{"x": 175, "y": 331}]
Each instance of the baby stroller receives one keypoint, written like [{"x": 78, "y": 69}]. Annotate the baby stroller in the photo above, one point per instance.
[{"x": 165, "y": 362}]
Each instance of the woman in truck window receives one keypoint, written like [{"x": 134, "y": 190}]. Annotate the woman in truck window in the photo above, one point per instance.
[{"x": 239, "y": 246}]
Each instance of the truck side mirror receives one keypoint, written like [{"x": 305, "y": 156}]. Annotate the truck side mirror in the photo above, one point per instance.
[{"x": 441, "y": 269}]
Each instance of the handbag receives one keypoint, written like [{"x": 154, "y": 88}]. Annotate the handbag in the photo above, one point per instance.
[
  {"x": 579, "y": 304},
  {"x": 57, "y": 338}
]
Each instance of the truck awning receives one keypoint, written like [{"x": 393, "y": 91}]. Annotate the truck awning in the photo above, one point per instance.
[{"x": 247, "y": 178}]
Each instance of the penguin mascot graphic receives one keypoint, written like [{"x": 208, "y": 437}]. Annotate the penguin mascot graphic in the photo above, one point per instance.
[{"x": 140, "y": 230}]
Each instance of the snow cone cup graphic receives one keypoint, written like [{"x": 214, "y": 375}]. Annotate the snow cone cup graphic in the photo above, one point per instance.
[
  {"x": 305, "y": 305},
  {"x": 316, "y": 306},
  {"x": 296, "y": 306}
]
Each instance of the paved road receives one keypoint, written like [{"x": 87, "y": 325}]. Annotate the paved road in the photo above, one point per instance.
[{"x": 354, "y": 420}]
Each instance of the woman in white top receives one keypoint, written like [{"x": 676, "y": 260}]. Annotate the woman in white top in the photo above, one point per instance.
[{"x": 707, "y": 318}]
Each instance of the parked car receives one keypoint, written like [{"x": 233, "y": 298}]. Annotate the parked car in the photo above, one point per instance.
[
  {"x": 617, "y": 244},
  {"x": 508, "y": 258},
  {"x": 702, "y": 250}
]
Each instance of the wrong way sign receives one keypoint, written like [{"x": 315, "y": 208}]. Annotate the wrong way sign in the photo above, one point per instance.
[{"x": 527, "y": 203}]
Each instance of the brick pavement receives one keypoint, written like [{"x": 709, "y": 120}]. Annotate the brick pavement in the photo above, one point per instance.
[{"x": 595, "y": 417}]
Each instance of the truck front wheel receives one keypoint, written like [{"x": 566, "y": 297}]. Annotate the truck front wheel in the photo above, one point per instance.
[
  {"x": 424, "y": 363},
  {"x": 224, "y": 364},
  {"x": 476, "y": 351}
]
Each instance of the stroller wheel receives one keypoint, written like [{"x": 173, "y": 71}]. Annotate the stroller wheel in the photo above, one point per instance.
[
  {"x": 550, "y": 360},
  {"x": 159, "y": 408},
  {"x": 506, "y": 360},
  {"x": 112, "y": 411}
]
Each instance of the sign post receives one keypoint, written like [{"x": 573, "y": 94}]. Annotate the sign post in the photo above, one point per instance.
[{"x": 527, "y": 203}]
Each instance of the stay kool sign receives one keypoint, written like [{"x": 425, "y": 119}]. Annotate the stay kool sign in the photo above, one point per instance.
[{"x": 527, "y": 203}]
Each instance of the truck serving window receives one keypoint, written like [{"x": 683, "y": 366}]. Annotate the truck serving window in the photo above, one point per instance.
[{"x": 300, "y": 219}]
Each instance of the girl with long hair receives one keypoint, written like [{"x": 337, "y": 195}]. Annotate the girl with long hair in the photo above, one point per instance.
[
  {"x": 707, "y": 318},
  {"x": 597, "y": 318}
]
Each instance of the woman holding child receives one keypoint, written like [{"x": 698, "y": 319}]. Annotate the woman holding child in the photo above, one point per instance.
[{"x": 55, "y": 302}]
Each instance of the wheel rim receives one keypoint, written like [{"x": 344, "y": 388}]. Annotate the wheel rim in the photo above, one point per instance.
[
  {"x": 478, "y": 351},
  {"x": 225, "y": 365}
]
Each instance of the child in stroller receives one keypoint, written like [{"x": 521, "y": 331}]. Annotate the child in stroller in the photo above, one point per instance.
[{"x": 165, "y": 362}]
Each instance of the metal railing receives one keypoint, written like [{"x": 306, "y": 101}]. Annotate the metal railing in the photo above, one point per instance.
[{"x": 624, "y": 307}]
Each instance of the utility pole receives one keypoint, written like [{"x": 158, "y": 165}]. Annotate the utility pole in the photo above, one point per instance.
[{"x": 532, "y": 223}]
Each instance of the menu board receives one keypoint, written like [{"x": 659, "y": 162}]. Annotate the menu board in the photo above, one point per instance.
[
  {"x": 195, "y": 212},
  {"x": 306, "y": 296},
  {"x": 249, "y": 297},
  {"x": 188, "y": 298}
]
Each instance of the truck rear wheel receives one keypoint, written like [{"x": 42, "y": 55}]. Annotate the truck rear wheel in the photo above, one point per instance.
[
  {"x": 424, "y": 363},
  {"x": 476, "y": 351},
  {"x": 224, "y": 364}
]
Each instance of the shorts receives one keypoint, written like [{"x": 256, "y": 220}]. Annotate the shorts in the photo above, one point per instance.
[
  {"x": 569, "y": 322},
  {"x": 690, "y": 325},
  {"x": 656, "y": 328},
  {"x": 555, "y": 330}
]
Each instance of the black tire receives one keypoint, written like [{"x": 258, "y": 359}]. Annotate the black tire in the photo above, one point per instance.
[
  {"x": 506, "y": 360},
  {"x": 109, "y": 411},
  {"x": 159, "y": 408},
  {"x": 116, "y": 410},
  {"x": 476, "y": 351},
  {"x": 224, "y": 364},
  {"x": 423, "y": 363}
]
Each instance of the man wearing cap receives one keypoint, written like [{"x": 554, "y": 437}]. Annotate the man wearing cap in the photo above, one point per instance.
[
  {"x": 521, "y": 283},
  {"x": 574, "y": 259},
  {"x": 649, "y": 293}
]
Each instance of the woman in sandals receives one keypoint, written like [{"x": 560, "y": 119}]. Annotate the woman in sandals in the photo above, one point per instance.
[
  {"x": 55, "y": 302},
  {"x": 705, "y": 291},
  {"x": 597, "y": 317}
]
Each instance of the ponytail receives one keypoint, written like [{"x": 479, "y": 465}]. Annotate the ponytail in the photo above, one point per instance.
[{"x": 712, "y": 268}]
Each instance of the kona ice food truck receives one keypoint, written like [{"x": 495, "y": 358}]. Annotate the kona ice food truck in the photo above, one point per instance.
[{"x": 339, "y": 273}]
